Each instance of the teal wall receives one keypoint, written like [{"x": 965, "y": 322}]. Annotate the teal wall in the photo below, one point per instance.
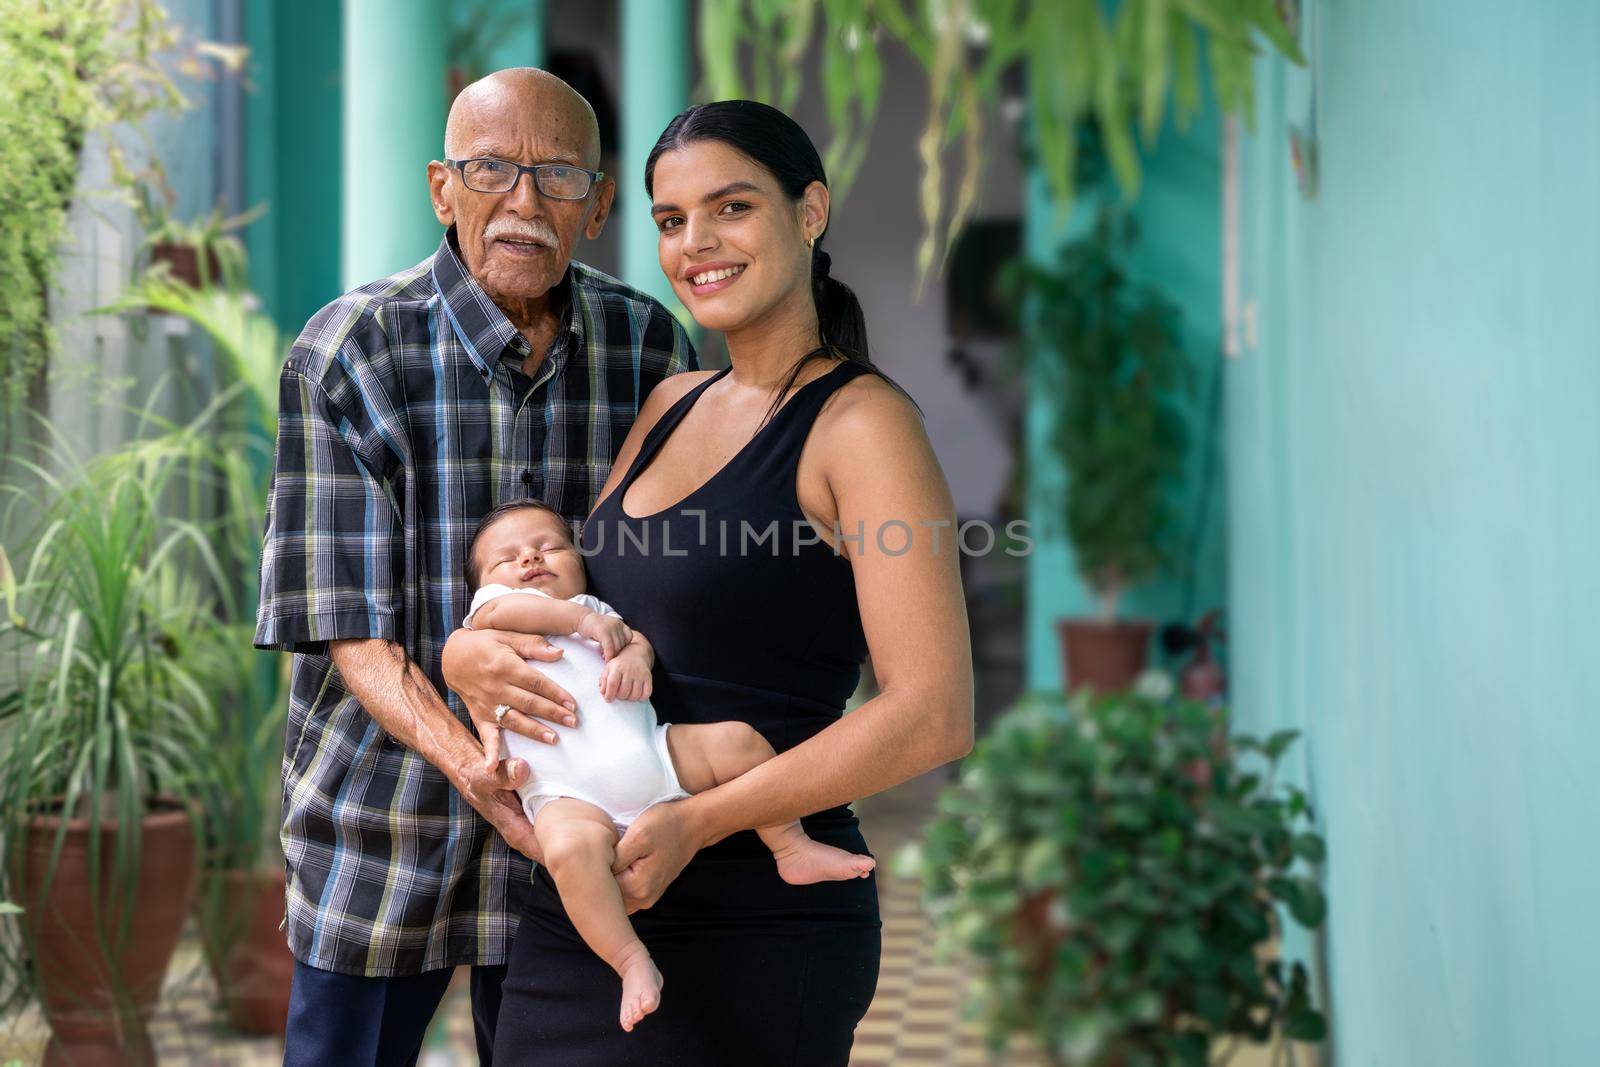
[
  {"x": 1414, "y": 508},
  {"x": 292, "y": 155},
  {"x": 1179, "y": 252}
]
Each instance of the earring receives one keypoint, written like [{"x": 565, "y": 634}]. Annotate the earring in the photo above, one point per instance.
[{"x": 811, "y": 242}]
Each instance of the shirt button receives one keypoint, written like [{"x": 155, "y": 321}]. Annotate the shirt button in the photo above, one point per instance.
[{"x": 527, "y": 480}]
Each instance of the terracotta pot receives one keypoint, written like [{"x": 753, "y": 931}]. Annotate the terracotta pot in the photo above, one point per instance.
[
  {"x": 97, "y": 1006},
  {"x": 1106, "y": 655},
  {"x": 248, "y": 953},
  {"x": 183, "y": 262}
]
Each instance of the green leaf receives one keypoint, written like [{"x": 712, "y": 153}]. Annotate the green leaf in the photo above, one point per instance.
[
  {"x": 1310, "y": 847},
  {"x": 1279, "y": 742},
  {"x": 1308, "y": 905},
  {"x": 1308, "y": 1025}
]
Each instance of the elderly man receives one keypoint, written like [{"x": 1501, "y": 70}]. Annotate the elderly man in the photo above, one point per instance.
[{"x": 498, "y": 367}]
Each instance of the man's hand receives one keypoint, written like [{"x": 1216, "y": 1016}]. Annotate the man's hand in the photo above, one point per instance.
[
  {"x": 655, "y": 850},
  {"x": 611, "y": 632},
  {"x": 492, "y": 791},
  {"x": 486, "y": 668},
  {"x": 626, "y": 678}
]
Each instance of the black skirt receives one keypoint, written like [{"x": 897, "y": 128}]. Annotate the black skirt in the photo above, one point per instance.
[{"x": 756, "y": 972}]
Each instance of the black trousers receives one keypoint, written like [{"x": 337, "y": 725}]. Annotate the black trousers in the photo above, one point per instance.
[
  {"x": 346, "y": 1020},
  {"x": 756, "y": 973}
]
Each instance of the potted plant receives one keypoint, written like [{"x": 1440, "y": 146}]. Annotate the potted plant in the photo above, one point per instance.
[
  {"x": 1112, "y": 867},
  {"x": 200, "y": 253},
  {"x": 105, "y": 765},
  {"x": 226, "y": 450},
  {"x": 1109, "y": 351}
]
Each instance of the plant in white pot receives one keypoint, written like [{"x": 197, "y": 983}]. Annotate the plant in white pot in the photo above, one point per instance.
[
  {"x": 1108, "y": 350},
  {"x": 105, "y": 769}
]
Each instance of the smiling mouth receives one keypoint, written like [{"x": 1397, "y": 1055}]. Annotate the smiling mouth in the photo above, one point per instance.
[
  {"x": 712, "y": 280},
  {"x": 521, "y": 246}
]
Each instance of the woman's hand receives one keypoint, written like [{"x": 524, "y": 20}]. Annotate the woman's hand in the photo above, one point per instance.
[
  {"x": 655, "y": 850},
  {"x": 486, "y": 669}
]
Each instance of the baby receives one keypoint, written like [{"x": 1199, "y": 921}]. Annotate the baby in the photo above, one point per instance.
[{"x": 528, "y": 576}]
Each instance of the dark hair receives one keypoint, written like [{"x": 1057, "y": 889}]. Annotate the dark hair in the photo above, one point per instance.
[
  {"x": 776, "y": 142},
  {"x": 496, "y": 513}
]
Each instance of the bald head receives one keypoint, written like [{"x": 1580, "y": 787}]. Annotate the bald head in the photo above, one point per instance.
[
  {"x": 508, "y": 101},
  {"x": 517, "y": 244}
]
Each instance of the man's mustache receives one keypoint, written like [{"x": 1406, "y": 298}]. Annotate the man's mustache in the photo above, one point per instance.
[{"x": 502, "y": 228}]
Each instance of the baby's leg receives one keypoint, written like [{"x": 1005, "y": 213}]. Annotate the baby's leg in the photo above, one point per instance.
[
  {"x": 579, "y": 842},
  {"x": 708, "y": 754}
]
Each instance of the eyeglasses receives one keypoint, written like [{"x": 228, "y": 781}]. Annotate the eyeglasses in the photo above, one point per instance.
[{"x": 561, "y": 181}]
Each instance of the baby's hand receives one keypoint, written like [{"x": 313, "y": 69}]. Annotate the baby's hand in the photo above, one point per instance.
[
  {"x": 612, "y": 633},
  {"x": 625, "y": 678}
]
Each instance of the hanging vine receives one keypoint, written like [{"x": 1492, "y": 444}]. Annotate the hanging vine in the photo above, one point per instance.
[
  {"x": 1122, "y": 66},
  {"x": 72, "y": 67}
]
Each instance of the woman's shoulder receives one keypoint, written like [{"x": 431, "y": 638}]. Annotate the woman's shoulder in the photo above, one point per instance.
[
  {"x": 869, "y": 408},
  {"x": 666, "y": 394},
  {"x": 671, "y": 389}
]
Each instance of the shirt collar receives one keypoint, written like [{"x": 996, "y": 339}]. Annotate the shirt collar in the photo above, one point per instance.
[{"x": 482, "y": 328}]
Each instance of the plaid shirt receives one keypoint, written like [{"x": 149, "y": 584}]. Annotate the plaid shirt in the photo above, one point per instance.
[{"x": 404, "y": 417}]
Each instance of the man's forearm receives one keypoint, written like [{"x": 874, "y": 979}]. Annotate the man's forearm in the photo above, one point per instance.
[{"x": 399, "y": 696}]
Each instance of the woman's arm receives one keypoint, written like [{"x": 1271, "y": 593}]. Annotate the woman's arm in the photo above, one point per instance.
[{"x": 890, "y": 495}]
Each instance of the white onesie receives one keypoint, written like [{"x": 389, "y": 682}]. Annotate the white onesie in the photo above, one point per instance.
[{"x": 616, "y": 758}]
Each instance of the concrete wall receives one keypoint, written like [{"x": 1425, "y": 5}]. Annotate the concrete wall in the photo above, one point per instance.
[
  {"x": 108, "y": 367},
  {"x": 1413, "y": 443}
]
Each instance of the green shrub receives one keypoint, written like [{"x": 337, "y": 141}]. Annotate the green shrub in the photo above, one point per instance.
[{"x": 1113, "y": 869}]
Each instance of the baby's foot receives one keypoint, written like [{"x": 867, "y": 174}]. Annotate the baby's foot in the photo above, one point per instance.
[
  {"x": 641, "y": 990},
  {"x": 804, "y": 861}
]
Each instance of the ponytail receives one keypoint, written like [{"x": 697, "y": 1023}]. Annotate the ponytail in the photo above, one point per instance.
[{"x": 839, "y": 316}]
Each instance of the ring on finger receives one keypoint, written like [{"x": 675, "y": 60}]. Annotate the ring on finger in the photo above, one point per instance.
[{"x": 500, "y": 714}]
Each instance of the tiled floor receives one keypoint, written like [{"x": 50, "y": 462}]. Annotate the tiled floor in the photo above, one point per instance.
[{"x": 915, "y": 1019}]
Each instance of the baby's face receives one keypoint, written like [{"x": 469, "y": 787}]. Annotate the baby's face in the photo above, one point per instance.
[{"x": 533, "y": 549}]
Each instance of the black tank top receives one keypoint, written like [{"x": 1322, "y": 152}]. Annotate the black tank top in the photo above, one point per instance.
[{"x": 752, "y": 615}]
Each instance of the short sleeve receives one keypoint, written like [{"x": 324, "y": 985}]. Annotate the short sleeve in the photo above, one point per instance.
[
  {"x": 493, "y": 591},
  {"x": 332, "y": 559},
  {"x": 676, "y": 355},
  {"x": 594, "y": 603}
]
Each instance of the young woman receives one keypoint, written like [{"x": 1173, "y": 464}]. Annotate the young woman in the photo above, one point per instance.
[{"x": 765, "y": 526}]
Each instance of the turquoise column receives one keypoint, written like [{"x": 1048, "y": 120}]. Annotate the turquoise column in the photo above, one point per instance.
[
  {"x": 655, "y": 86},
  {"x": 1054, "y": 588},
  {"x": 394, "y": 111},
  {"x": 522, "y": 42}
]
